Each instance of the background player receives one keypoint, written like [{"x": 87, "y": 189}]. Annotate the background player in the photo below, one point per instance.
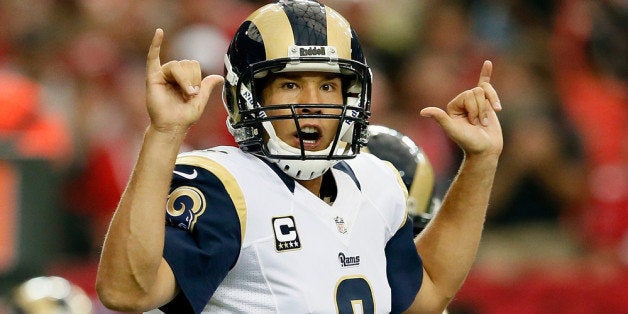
[{"x": 414, "y": 168}]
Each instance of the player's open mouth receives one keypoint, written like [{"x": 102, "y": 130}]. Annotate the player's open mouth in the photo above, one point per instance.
[{"x": 311, "y": 136}]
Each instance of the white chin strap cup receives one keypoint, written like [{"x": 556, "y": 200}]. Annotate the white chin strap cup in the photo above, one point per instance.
[{"x": 297, "y": 169}]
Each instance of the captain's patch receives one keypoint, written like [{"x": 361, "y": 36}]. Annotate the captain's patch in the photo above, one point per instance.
[{"x": 286, "y": 236}]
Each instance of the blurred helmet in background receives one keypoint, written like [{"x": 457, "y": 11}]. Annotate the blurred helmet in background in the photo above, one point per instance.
[{"x": 50, "y": 295}]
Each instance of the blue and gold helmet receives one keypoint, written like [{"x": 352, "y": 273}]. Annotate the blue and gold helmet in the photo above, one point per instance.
[{"x": 294, "y": 36}]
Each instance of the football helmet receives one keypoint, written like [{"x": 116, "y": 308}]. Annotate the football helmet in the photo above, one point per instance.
[
  {"x": 292, "y": 36},
  {"x": 50, "y": 294},
  {"x": 414, "y": 168}
]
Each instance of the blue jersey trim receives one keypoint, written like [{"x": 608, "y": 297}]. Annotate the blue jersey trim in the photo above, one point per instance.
[
  {"x": 287, "y": 180},
  {"x": 344, "y": 167},
  {"x": 404, "y": 268}
]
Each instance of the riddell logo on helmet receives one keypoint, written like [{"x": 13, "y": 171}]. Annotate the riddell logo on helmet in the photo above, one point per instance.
[{"x": 312, "y": 51}]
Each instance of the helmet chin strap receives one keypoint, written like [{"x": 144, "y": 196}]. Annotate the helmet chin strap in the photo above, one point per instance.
[{"x": 297, "y": 169}]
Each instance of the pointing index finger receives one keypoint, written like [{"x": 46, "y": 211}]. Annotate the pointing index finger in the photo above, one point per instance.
[
  {"x": 485, "y": 83},
  {"x": 485, "y": 74},
  {"x": 153, "y": 63}
]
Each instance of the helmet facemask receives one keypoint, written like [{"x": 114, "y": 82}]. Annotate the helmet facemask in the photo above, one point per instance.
[{"x": 256, "y": 134}]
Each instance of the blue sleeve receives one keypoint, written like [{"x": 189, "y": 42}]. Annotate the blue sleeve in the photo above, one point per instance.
[
  {"x": 404, "y": 268},
  {"x": 203, "y": 235}
]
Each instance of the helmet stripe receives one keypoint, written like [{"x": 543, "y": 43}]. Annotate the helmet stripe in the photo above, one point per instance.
[
  {"x": 308, "y": 21},
  {"x": 339, "y": 34},
  {"x": 270, "y": 26}
]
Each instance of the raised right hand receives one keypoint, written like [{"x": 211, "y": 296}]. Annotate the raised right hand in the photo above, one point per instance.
[
  {"x": 470, "y": 119},
  {"x": 175, "y": 94}
]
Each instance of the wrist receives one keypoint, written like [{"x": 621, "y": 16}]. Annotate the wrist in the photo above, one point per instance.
[
  {"x": 172, "y": 133},
  {"x": 484, "y": 163},
  {"x": 172, "y": 138}
]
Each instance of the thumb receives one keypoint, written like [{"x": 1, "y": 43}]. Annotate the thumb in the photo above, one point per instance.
[
  {"x": 208, "y": 84},
  {"x": 437, "y": 114}
]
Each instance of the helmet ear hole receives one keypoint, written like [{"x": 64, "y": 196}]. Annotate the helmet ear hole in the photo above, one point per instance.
[{"x": 230, "y": 100}]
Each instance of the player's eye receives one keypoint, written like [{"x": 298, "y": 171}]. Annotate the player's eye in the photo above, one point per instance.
[
  {"x": 329, "y": 87},
  {"x": 288, "y": 85}
]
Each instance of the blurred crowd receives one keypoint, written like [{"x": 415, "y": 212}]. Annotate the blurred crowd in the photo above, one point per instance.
[{"x": 72, "y": 95}]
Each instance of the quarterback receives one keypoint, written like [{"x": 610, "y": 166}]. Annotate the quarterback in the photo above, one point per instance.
[{"x": 294, "y": 219}]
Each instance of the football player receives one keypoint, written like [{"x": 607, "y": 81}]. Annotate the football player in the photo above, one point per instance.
[
  {"x": 294, "y": 220},
  {"x": 414, "y": 169}
]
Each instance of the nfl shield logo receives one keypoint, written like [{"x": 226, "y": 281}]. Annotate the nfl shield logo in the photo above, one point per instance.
[{"x": 340, "y": 224}]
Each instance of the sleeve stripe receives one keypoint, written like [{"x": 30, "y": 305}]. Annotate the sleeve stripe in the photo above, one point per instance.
[
  {"x": 403, "y": 187},
  {"x": 227, "y": 179}
]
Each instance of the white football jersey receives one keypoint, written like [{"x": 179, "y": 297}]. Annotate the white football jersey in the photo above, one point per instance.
[{"x": 243, "y": 237}]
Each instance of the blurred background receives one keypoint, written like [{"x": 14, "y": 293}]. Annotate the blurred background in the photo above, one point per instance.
[{"x": 72, "y": 116}]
